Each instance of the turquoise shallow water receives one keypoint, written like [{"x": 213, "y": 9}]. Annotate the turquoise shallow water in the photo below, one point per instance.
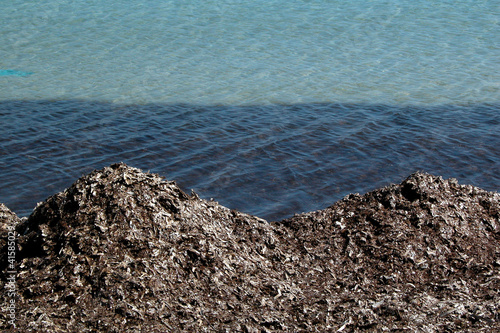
[
  {"x": 271, "y": 107},
  {"x": 253, "y": 52}
]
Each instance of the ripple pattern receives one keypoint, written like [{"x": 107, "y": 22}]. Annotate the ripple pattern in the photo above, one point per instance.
[{"x": 267, "y": 160}]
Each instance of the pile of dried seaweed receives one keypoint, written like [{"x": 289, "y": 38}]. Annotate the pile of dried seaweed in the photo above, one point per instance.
[
  {"x": 124, "y": 251},
  {"x": 420, "y": 256}
]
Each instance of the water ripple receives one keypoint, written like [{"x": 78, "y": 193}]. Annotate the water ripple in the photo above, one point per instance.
[{"x": 268, "y": 160}]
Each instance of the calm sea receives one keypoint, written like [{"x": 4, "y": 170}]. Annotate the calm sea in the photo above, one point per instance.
[{"x": 271, "y": 107}]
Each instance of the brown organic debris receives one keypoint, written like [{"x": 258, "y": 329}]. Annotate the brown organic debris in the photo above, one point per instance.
[{"x": 126, "y": 251}]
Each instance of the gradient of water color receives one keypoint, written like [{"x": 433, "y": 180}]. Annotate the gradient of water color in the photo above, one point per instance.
[{"x": 271, "y": 107}]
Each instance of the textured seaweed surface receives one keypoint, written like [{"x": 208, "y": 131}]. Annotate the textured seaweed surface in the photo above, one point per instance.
[{"x": 126, "y": 251}]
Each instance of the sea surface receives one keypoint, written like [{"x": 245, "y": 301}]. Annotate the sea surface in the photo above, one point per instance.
[{"x": 270, "y": 107}]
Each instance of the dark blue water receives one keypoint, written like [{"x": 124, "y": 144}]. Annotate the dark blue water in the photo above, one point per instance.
[{"x": 269, "y": 160}]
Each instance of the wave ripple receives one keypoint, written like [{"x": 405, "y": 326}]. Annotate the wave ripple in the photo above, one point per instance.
[{"x": 267, "y": 160}]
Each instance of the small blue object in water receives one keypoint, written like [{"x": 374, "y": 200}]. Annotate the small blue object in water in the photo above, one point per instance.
[{"x": 13, "y": 72}]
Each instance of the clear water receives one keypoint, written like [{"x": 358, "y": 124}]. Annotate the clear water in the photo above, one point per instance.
[{"x": 271, "y": 107}]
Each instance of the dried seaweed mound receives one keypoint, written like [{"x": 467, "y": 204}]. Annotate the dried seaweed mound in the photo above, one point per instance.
[
  {"x": 126, "y": 251},
  {"x": 121, "y": 250},
  {"x": 420, "y": 256}
]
